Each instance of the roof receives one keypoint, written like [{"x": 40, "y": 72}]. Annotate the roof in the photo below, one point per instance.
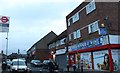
[
  {"x": 83, "y": 4},
  {"x": 59, "y": 37},
  {"x": 43, "y": 39}
]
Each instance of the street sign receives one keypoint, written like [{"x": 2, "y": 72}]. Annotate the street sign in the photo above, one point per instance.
[
  {"x": 4, "y": 20},
  {"x": 102, "y": 31},
  {"x": 4, "y": 24}
]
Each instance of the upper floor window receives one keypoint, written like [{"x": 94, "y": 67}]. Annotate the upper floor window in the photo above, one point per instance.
[
  {"x": 69, "y": 37},
  {"x": 75, "y": 17},
  {"x": 90, "y": 7},
  {"x": 68, "y": 22},
  {"x": 77, "y": 34},
  {"x": 62, "y": 41},
  {"x": 58, "y": 43},
  {"x": 93, "y": 27},
  {"x": 51, "y": 45}
]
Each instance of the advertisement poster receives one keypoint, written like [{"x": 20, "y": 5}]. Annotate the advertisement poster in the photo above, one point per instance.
[
  {"x": 87, "y": 60},
  {"x": 101, "y": 60},
  {"x": 72, "y": 59},
  {"x": 116, "y": 59}
]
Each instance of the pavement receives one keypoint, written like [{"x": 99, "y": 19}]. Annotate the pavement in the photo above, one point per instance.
[
  {"x": 0, "y": 67},
  {"x": 91, "y": 72}
]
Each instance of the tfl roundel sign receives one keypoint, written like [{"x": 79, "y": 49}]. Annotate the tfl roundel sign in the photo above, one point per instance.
[{"x": 4, "y": 20}]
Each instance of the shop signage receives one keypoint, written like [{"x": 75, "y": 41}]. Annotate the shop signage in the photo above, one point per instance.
[
  {"x": 102, "y": 31},
  {"x": 89, "y": 44},
  {"x": 61, "y": 51}
]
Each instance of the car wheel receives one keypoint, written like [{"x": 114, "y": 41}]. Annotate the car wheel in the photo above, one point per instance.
[{"x": 25, "y": 71}]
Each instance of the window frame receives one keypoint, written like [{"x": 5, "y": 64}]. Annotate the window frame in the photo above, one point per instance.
[
  {"x": 90, "y": 7},
  {"x": 93, "y": 27},
  {"x": 75, "y": 17}
]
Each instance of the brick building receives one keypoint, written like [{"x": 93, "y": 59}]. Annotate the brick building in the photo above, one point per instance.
[
  {"x": 58, "y": 49},
  {"x": 40, "y": 49},
  {"x": 94, "y": 34}
]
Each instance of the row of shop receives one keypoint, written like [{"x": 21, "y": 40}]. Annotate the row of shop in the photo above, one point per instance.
[
  {"x": 98, "y": 57},
  {"x": 98, "y": 60}
]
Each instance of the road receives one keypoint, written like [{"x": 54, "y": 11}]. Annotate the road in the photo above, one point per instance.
[
  {"x": 33, "y": 70},
  {"x": 38, "y": 69}
]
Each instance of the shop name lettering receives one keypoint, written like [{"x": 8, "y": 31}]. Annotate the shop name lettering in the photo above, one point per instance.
[{"x": 86, "y": 44}]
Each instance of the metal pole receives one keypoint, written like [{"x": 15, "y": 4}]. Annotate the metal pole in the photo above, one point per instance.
[
  {"x": 18, "y": 60},
  {"x": 6, "y": 45}
]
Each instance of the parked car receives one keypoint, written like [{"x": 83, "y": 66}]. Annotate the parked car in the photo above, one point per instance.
[
  {"x": 36, "y": 63},
  {"x": 23, "y": 60},
  {"x": 18, "y": 65},
  {"x": 45, "y": 64}
]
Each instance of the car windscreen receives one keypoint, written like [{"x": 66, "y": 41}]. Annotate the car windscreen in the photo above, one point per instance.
[
  {"x": 18, "y": 63},
  {"x": 36, "y": 61}
]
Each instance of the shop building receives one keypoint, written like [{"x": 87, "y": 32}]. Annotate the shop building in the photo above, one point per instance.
[
  {"x": 40, "y": 49},
  {"x": 58, "y": 49},
  {"x": 94, "y": 36}
]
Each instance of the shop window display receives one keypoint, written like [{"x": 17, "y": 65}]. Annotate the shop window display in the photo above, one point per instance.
[
  {"x": 101, "y": 60},
  {"x": 72, "y": 60},
  {"x": 116, "y": 59},
  {"x": 87, "y": 60}
]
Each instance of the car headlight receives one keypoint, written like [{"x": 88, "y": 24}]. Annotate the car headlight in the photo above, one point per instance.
[
  {"x": 27, "y": 68},
  {"x": 14, "y": 68},
  {"x": 35, "y": 63}
]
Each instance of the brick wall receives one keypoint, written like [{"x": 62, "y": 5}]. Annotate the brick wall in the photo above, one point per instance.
[{"x": 103, "y": 9}]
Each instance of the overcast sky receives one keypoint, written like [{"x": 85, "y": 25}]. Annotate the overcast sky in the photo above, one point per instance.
[{"x": 30, "y": 20}]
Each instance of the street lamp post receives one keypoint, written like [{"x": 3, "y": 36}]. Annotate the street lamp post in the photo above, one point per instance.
[{"x": 6, "y": 45}]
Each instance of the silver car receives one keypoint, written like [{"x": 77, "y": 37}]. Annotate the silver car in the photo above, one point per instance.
[{"x": 18, "y": 65}]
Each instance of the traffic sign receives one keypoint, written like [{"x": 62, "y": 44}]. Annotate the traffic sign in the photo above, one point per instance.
[
  {"x": 4, "y": 20},
  {"x": 4, "y": 24}
]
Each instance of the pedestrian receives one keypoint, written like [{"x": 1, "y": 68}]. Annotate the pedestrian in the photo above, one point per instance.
[
  {"x": 81, "y": 65},
  {"x": 4, "y": 66},
  {"x": 74, "y": 67},
  {"x": 51, "y": 66},
  {"x": 68, "y": 67}
]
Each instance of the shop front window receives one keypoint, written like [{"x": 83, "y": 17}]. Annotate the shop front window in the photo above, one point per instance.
[
  {"x": 87, "y": 60},
  {"x": 101, "y": 60},
  {"x": 116, "y": 59}
]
